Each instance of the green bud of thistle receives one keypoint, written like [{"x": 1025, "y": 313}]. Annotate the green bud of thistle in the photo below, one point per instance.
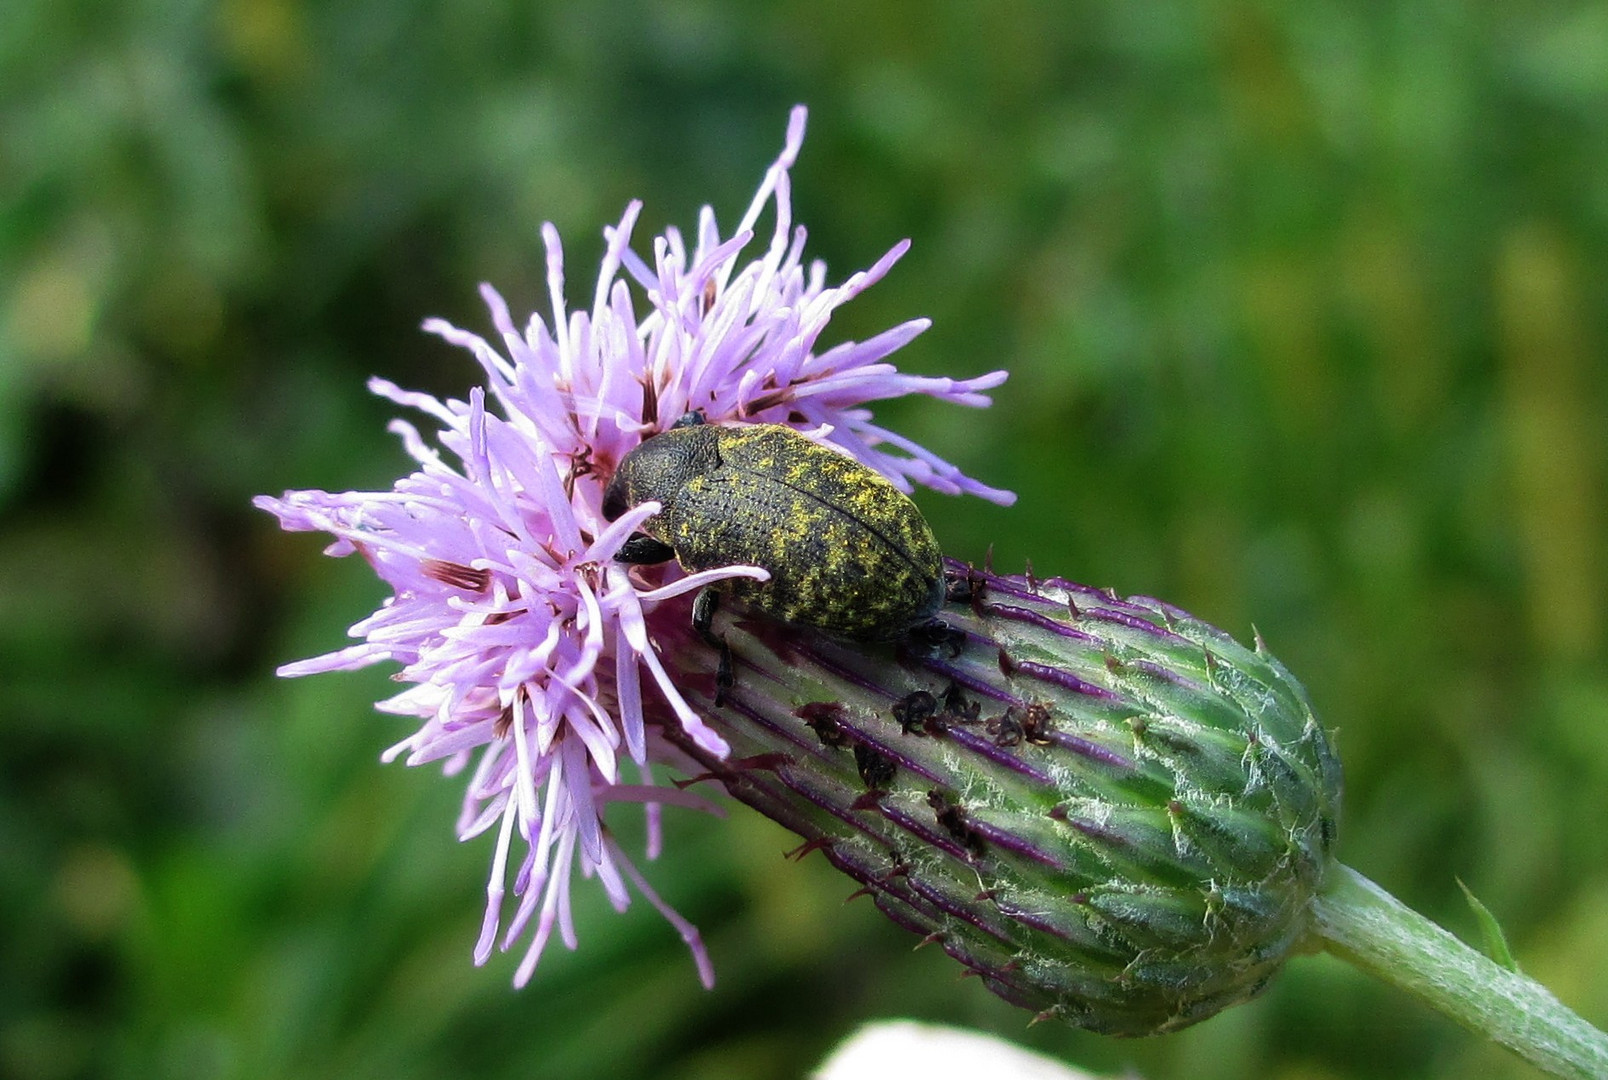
[{"x": 1109, "y": 810}]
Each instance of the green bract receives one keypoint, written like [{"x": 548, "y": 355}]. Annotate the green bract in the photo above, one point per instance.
[{"x": 1112, "y": 812}]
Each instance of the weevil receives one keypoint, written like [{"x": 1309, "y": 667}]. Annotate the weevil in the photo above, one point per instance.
[{"x": 848, "y": 553}]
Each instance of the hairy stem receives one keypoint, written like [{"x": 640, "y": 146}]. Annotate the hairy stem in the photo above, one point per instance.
[{"x": 1366, "y": 926}]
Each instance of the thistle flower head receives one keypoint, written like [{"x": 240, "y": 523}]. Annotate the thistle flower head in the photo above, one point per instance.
[
  {"x": 1111, "y": 812},
  {"x": 522, "y": 643}
]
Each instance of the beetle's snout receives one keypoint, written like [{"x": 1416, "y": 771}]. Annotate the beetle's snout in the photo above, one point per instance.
[{"x": 614, "y": 500}]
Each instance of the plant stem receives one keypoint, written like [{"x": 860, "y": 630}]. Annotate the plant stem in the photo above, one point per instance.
[{"x": 1361, "y": 923}]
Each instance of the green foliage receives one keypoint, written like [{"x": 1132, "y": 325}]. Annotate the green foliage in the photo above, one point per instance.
[{"x": 1305, "y": 306}]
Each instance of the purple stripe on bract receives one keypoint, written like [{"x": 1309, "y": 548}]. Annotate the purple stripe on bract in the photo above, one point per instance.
[
  {"x": 899, "y": 891},
  {"x": 852, "y": 861},
  {"x": 892, "y": 754},
  {"x": 1170, "y": 610},
  {"x": 903, "y": 914},
  {"x": 1134, "y": 622},
  {"x": 1066, "y": 680},
  {"x": 1007, "y": 982},
  {"x": 1016, "y": 994},
  {"x": 942, "y": 841},
  {"x": 810, "y": 746},
  {"x": 970, "y": 682},
  {"x": 842, "y": 813},
  {"x": 1095, "y": 831},
  {"x": 1092, "y": 751},
  {"x": 848, "y": 675},
  {"x": 1037, "y": 922},
  {"x": 1103, "y": 596},
  {"x": 782, "y": 807},
  {"x": 989, "y": 971},
  {"x": 965, "y": 913},
  {"x": 1035, "y": 618},
  {"x": 1011, "y": 842},
  {"x": 985, "y": 747},
  {"x": 1167, "y": 674},
  {"x": 1002, "y": 585}
]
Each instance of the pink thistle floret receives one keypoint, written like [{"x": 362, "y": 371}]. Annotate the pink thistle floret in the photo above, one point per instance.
[{"x": 520, "y": 637}]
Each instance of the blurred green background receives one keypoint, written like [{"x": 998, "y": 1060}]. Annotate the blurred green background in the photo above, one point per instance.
[{"x": 1305, "y": 308}]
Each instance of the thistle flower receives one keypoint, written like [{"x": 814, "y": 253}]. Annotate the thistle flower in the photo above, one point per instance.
[{"x": 523, "y": 643}]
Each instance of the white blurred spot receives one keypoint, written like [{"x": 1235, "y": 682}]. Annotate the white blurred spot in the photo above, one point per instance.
[{"x": 897, "y": 1049}]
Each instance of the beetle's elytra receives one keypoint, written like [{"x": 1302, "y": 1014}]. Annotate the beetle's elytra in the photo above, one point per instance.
[{"x": 848, "y": 553}]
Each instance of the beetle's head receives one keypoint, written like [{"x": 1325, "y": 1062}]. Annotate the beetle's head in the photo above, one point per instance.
[{"x": 660, "y": 467}]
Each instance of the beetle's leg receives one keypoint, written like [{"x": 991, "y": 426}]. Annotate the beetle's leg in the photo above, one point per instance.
[
  {"x": 704, "y": 606},
  {"x": 935, "y": 634},
  {"x": 644, "y": 549}
]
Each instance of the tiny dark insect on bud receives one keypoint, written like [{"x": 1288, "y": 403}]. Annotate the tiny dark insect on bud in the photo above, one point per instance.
[
  {"x": 876, "y": 768},
  {"x": 914, "y": 710},
  {"x": 952, "y": 818},
  {"x": 958, "y": 707},
  {"x": 825, "y": 719}
]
